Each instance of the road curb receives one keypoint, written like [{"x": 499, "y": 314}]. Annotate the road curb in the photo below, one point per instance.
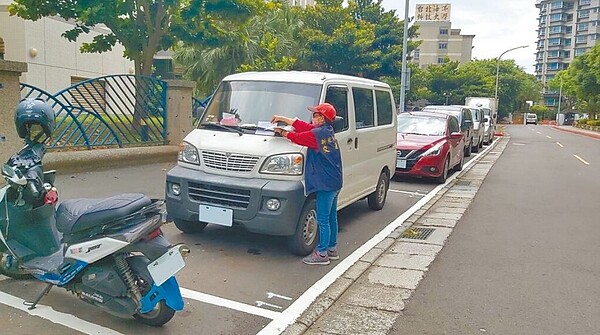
[
  {"x": 335, "y": 311},
  {"x": 578, "y": 131},
  {"x": 79, "y": 161}
]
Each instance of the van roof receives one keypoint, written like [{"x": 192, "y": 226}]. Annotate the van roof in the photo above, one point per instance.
[{"x": 301, "y": 77}]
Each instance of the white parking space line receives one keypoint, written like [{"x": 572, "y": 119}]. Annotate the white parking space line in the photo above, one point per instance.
[
  {"x": 538, "y": 132},
  {"x": 560, "y": 145},
  {"x": 416, "y": 194},
  {"x": 548, "y": 136},
  {"x": 46, "y": 312},
  {"x": 238, "y": 306},
  {"x": 582, "y": 160}
]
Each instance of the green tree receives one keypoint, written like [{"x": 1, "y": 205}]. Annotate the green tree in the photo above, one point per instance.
[
  {"x": 268, "y": 41},
  {"x": 582, "y": 80},
  {"x": 359, "y": 39},
  {"x": 143, "y": 27}
]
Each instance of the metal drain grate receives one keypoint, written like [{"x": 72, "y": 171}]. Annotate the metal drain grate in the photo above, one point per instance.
[{"x": 418, "y": 233}]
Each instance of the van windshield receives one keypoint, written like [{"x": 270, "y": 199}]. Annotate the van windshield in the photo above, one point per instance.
[{"x": 244, "y": 104}]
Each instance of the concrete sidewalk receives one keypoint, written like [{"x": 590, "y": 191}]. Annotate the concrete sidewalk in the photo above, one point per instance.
[{"x": 370, "y": 295}]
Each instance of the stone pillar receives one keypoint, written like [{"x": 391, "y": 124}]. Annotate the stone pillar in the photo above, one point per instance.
[
  {"x": 179, "y": 110},
  {"x": 10, "y": 94}
]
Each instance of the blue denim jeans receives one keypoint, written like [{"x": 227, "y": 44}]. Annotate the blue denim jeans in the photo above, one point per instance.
[{"x": 327, "y": 220}]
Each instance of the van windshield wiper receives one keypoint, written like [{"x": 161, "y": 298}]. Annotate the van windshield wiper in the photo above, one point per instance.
[{"x": 235, "y": 129}]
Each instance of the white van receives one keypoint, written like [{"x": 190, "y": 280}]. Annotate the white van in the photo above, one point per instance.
[{"x": 231, "y": 171}]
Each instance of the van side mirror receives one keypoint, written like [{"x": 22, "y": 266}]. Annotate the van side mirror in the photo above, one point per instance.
[{"x": 338, "y": 123}]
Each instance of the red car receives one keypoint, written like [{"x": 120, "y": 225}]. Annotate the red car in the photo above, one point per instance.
[{"x": 428, "y": 145}]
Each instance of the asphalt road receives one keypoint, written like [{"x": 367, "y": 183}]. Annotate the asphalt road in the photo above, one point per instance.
[
  {"x": 235, "y": 282},
  {"x": 524, "y": 257}
]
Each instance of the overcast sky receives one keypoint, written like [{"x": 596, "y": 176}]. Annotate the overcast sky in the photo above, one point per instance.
[{"x": 498, "y": 25}]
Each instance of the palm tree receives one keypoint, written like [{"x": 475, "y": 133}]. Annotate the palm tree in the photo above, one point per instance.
[{"x": 273, "y": 35}]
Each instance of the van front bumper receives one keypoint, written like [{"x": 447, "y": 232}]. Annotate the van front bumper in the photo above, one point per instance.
[{"x": 246, "y": 197}]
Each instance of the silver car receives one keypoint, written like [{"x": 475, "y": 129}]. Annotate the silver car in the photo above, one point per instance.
[
  {"x": 489, "y": 126},
  {"x": 478, "y": 128}
]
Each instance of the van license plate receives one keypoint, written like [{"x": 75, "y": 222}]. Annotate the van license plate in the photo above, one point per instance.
[
  {"x": 401, "y": 163},
  {"x": 216, "y": 215},
  {"x": 166, "y": 266}
]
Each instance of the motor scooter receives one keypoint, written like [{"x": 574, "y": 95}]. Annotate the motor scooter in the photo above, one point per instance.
[{"x": 109, "y": 252}]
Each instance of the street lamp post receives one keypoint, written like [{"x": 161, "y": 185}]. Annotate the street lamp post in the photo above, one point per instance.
[
  {"x": 498, "y": 72},
  {"x": 404, "y": 60}
]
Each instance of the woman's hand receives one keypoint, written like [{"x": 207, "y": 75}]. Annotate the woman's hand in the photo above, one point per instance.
[{"x": 279, "y": 118}]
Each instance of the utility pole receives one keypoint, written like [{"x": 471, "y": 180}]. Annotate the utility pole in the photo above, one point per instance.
[{"x": 404, "y": 47}]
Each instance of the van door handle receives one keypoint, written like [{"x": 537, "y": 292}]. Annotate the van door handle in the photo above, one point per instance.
[
  {"x": 349, "y": 141},
  {"x": 356, "y": 143}
]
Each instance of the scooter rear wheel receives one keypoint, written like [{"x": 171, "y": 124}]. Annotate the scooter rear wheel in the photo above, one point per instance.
[
  {"x": 12, "y": 272},
  {"x": 160, "y": 315}
]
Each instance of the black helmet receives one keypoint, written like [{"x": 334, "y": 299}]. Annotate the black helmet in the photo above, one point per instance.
[{"x": 32, "y": 117}]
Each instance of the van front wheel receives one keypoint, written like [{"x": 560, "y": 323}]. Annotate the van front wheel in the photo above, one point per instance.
[
  {"x": 305, "y": 239},
  {"x": 376, "y": 200},
  {"x": 189, "y": 227}
]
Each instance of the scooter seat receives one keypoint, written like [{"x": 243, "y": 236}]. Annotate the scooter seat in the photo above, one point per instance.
[{"x": 82, "y": 214}]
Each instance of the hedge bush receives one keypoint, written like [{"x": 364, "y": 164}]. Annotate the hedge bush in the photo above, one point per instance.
[{"x": 593, "y": 122}]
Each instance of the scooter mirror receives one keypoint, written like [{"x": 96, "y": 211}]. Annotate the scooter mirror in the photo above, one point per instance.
[{"x": 13, "y": 175}]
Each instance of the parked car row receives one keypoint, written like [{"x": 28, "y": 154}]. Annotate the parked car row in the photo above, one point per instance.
[{"x": 435, "y": 140}]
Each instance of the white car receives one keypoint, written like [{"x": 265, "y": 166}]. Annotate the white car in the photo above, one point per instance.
[{"x": 531, "y": 118}]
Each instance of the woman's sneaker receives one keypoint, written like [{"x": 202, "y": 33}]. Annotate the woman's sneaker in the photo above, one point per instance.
[
  {"x": 316, "y": 259},
  {"x": 333, "y": 255}
]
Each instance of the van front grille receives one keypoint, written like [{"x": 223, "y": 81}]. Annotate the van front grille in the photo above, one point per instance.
[
  {"x": 229, "y": 161},
  {"x": 217, "y": 195}
]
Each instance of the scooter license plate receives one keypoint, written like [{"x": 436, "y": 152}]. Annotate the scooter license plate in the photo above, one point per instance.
[{"x": 166, "y": 266}]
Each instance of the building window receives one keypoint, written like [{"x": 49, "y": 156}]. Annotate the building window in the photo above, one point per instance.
[
  {"x": 554, "y": 41},
  {"x": 566, "y": 54},
  {"x": 584, "y": 2},
  {"x": 443, "y": 46},
  {"x": 441, "y": 60},
  {"x": 555, "y": 17},
  {"x": 581, "y": 39},
  {"x": 553, "y": 66},
  {"x": 569, "y": 30},
  {"x": 555, "y": 29},
  {"x": 443, "y": 31},
  {"x": 556, "y": 5},
  {"x": 582, "y": 26},
  {"x": 541, "y": 44},
  {"x": 584, "y": 13},
  {"x": 416, "y": 54},
  {"x": 553, "y": 54},
  {"x": 595, "y": 37},
  {"x": 579, "y": 51},
  {"x": 569, "y": 17}
]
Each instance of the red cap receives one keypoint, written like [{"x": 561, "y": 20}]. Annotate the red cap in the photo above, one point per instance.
[{"x": 326, "y": 109}]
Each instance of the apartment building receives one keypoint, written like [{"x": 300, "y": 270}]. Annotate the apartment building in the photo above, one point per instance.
[
  {"x": 438, "y": 40},
  {"x": 566, "y": 29}
]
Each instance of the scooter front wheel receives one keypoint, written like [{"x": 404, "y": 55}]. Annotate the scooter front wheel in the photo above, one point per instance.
[
  {"x": 14, "y": 271},
  {"x": 157, "y": 317}
]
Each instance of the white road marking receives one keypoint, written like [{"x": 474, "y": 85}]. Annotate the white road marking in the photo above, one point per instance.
[
  {"x": 262, "y": 303},
  {"x": 46, "y": 312},
  {"x": 271, "y": 295},
  {"x": 560, "y": 145},
  {"x": 548, "y": 136},
  {"x": 582, "y": 160},
  {"x": 416, "y": 193},
  {"x": 290, "y": 314},
  {"x": 538, "y": 132},
  {"x": 238, "y": 306}
]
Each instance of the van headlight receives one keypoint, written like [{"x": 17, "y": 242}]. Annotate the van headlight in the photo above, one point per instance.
[
  {"x": 188, "y": 153},
  {"x": 288, "y": 164},
  {"x": 433, "y": 151}
]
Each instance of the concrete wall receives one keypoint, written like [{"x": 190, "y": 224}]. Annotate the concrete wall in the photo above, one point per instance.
[{"x": 9, "y": 97}]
